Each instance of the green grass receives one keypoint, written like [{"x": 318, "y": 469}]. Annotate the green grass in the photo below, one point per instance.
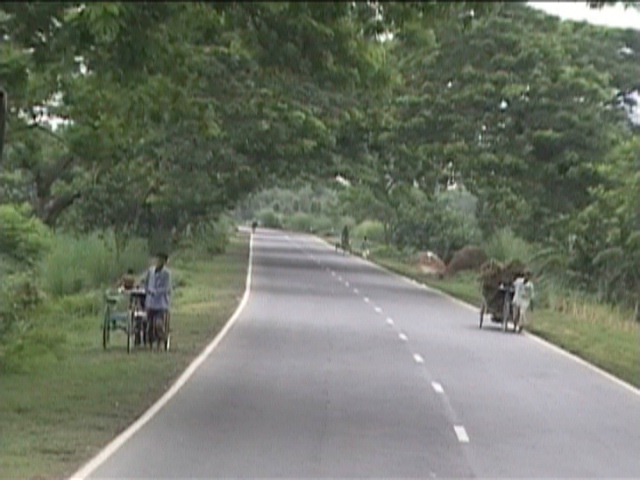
[
  {"x": 61, "y": 407},
  {"x": 599, "y": 334}
]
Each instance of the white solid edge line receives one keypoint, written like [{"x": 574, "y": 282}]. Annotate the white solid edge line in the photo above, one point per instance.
[
  {"x": 121, "y": 439},
  {"x": 437, "y": 387},
  {"x": 461, "y": 433},
  {"x": 592, "y": 367}
]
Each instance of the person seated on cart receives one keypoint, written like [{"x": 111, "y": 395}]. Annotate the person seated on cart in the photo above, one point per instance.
[
  {"x": 158, "y": 289},
  {"x": 127, "y": 281},
  {"x": 523, "y": 298}
]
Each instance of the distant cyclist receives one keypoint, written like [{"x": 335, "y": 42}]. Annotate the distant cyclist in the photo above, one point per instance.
[{"x": 254, "y": 225}]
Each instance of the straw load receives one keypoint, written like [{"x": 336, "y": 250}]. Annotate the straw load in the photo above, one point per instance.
[{"x": 493, "y": 274}]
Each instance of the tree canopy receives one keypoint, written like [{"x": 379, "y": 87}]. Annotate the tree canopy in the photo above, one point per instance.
[{"x": 172, "y": 113}]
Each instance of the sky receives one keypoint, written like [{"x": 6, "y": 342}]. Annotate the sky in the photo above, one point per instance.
[{"x": 615, "y": 16}]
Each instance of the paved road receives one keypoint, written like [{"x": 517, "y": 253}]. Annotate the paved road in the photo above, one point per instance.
[{"x": 337, "y": 369}]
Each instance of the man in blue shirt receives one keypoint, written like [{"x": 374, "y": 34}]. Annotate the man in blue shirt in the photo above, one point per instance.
[{"x": 158, "y": 288}]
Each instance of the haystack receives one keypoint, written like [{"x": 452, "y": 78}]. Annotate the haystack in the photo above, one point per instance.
[
  {"x": 467, "y": 258},
  {"x": 492, "y": 274}
]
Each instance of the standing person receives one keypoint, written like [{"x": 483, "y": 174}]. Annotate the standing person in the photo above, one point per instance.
[
  {"x": 158, "y": 288},
  {"x": 523, "y": 297},
  {"x": 128, "y": 280}
]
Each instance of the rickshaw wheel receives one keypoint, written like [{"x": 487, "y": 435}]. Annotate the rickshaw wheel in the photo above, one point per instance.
[
  {"x": 505, "y": 315},
  {"x": 130, "y": 330},
  {"x": 105, "y": 328},
  {"x": 167, "y": 329},
  {"x": 105, "y": 335}
]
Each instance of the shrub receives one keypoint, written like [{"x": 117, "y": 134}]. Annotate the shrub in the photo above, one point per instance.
[
  {"x": 23, "y": 239},
  {"x": 301, "y": 222},
  {"x": 269, "y": 219},
  {"x": 372, "y": 229},
  {"x": 505, "y": 246},
  {"x": 321, "y": 224}
]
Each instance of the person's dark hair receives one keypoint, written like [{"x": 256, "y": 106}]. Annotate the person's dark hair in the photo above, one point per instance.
[
  {"x": 130, "y": 271},
  {"x": 163, "y": 255}
]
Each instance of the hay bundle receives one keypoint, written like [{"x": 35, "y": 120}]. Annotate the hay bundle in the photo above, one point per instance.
[
  {"x": 467, "y": 258},
  {"x": 492, "y": 275}
]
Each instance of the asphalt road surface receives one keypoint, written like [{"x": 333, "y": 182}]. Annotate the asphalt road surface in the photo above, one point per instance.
[{"x": 338, "y": 369}]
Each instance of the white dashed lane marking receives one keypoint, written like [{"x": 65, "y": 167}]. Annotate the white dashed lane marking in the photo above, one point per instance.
[
  {"x": 389, "y": 321},
  {"x": 356, "y": 291},
  {"x": 378, "y": 310},
  {"x": 346, "y": 284},
  {"x": 461, "y": 433},
  {"x": 366, "y": 299},
  {"x": 418, "y": 358},
  {"x": 402, "y": 337},
  {"x": 437, "y": 387}
]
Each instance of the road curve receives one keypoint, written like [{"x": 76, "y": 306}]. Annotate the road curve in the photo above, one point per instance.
[{"x": 337, "y": 369}]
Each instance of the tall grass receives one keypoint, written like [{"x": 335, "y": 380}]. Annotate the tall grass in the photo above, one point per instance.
[{"x": 77, "y": 263}]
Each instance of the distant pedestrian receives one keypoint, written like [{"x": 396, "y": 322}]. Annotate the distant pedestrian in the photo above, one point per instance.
[
  {"x": 365, "y": 247},
  {"x": 523, "y": 298}
]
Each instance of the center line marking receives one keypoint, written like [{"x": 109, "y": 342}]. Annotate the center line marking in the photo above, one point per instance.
[
  {"x": 378, "y": 310},
  {"x": 402, "y": 337},
  {"x": 437, "y": 387},
  {"x": 461, "y": 433},
  {"x": 418, "y": 358},
  {"x": 389, "y": 321},
  {"x": 366, "y": 299}
]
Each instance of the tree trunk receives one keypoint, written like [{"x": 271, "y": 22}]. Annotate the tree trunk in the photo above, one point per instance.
[{"x": 50, "y": 212}]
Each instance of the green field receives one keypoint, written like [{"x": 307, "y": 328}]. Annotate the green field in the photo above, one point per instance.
[{"x": 60, "y": 408}]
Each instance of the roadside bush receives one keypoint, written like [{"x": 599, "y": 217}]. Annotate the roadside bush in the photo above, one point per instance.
[
  {"x": 321, "y": 224},
  {"x": 301, "y": 222},
  {"x": 372, "y": 229},
  {"x": 269, "y": 219},
  {"x": 23, "y": 239},
  {"x": 505, "y": 246}
]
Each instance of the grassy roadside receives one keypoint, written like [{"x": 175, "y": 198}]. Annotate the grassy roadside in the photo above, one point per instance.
[
  {"x": 65, "y": 406},
  {"x": 612, "y": 345}
]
